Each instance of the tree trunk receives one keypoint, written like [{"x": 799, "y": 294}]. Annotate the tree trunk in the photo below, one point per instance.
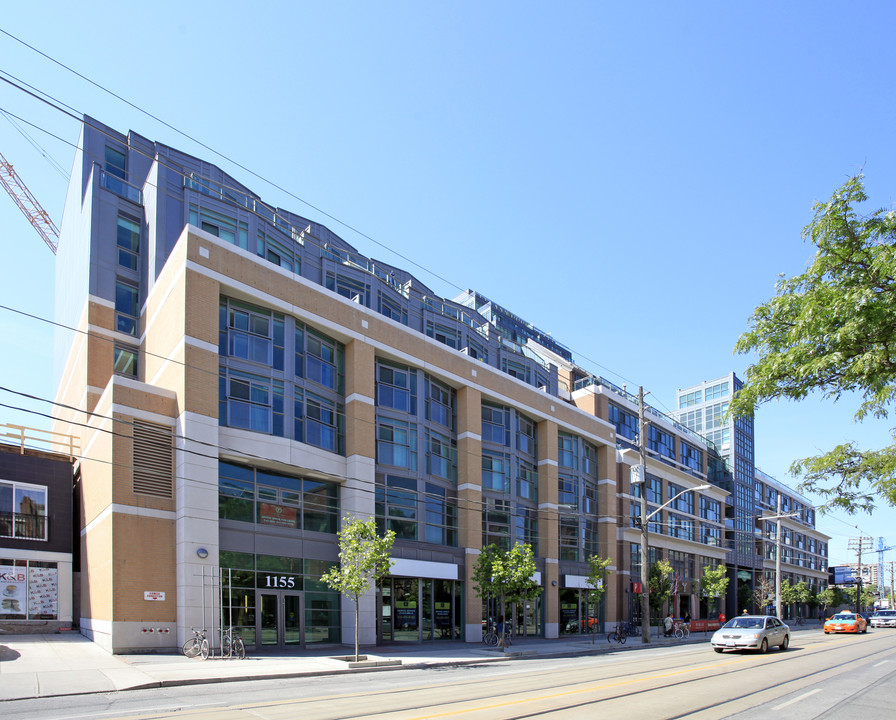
[{"x": 357, "y": 620}]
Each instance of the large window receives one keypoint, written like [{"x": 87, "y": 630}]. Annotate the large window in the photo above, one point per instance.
[
  {"x": 716, "y": 391},
  {"x": 681, "y": 501},
  {"x": 125, "y": 361},
  {"x": 128, "y": 242},
  {"x": 23, "y": 511},
  {"x": 115, "y": 162},
  {"x": 319, "y": 422},
  {"x": 710, "y": 509},
  {"x": 496, "y": 523},
  {"x": 568, "y": 451},
  {"x": 626, "y": 422},
  {"x": 324, "y": 360},
  {"x": 711, "y": 535},
  {"x": 681, "y": 527},
  {"x": 526, "y": 437},
  {"x": 393, "y": 308},
  {"x": 441, "y": 516},
  {"x": 396, "y": 443},
  {"x": 568, "y": 492},
  {"x": 519, "y": 370},
  {"x": 277, "y": 500},
  {"x": 252, "y": 334},
  {"x": 127, "y": 308},
  {"x": 30, "y": 589},
  {"x": 495, "y": 472},
  {"x": 661, "y": 441},
  {"x": 428, "y": 516},
  {"x": 569, "y": 538},
  {"x": 495, "y": 425},
  {"x": 252, "y": 402},
  {"x": 355, "y": 290},
  {"x": 396, "y": 507},
  {"x": 222, "y": 226},
  {"x": 245, "y": 572},
  {"x": 441, "y": 456},
  {"x": 443, "y": 334},
  {"x": 440, "y": 403},
  {"x": 689, "y": 399},
  {"x": 691, "y": 457},
  {"x": 396, "y": 387},
  {"x": 527, "y": 480}
]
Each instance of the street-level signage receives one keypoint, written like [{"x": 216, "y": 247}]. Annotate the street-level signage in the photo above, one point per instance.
[
  {"x": 153, "y": 595},
  {"x": 279, "y": 581}
]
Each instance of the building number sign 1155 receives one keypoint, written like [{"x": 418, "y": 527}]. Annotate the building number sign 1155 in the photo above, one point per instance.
[{"x": 279, "y": 581}]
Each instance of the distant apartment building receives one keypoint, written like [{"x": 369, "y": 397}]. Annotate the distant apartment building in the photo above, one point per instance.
[
  {"x": 750, "y": 524},
  {"x": 248, "y": 379}
]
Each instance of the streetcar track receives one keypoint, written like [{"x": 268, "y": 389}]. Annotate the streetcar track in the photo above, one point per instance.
[{"x": 619, "y": 678}]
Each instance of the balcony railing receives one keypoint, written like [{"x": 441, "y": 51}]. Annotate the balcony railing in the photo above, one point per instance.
[
  {"x": 22, "y": 526},
  {"x": 121, "y": 187},
  {"x": 26, "y": 437}
]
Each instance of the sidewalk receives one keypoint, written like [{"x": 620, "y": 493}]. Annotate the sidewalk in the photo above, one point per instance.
[{"x": 69, "y": 664}]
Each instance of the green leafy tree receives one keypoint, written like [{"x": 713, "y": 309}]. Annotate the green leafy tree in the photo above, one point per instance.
[
  {"x": 598, "y": 569},
  {"x": 831, "y": 330},
  {"x": 659, "y": 580},
  {"x": 506, "y": 575},
  {"x": 364, "y": 560},
  {"x": 830, "y": 597},
  {"x": 744, "y": 596},
  {"x": 712, "y": 585},
  {"x": 813, "y": 601},
  {"x": 866, "y": 599}
]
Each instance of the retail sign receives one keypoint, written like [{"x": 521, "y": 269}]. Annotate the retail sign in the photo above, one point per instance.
[
  {"x": 279, "y": 515},
  {"x": 153, "y": 595}
]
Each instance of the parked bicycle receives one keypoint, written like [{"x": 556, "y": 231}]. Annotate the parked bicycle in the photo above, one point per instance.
[
  {"x": 619, "y": 635},
  {"x": 233, "y": 645},
  {"x": 680, "y": 630},
  {"x": 492, "y": 636},
  {"x": 197, "y": 645}
]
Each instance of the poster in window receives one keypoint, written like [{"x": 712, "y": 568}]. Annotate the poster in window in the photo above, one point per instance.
[
  {"x": 13, "y": 586},
  {"x": 43, "y": 592}
]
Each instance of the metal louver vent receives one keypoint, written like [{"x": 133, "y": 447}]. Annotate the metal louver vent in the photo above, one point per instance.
[{"x": 153, "y": 459}]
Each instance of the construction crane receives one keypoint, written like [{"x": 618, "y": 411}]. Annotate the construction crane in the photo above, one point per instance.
[{"x": 29, "y": 205}]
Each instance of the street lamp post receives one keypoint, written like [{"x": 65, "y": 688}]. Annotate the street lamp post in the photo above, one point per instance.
[{"x": 645, "y": 517}]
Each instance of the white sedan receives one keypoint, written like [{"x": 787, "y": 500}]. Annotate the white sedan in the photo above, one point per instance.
[{"x": 751, "y": 632}]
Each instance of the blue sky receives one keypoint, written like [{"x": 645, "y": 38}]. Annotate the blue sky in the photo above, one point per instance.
[{"x": 631, "y": 177}]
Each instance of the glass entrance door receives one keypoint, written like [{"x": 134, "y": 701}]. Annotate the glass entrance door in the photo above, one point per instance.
[{"x": 280, "y": 615}]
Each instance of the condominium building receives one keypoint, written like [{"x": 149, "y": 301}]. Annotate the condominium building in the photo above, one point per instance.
[
  {"x": 751, "y": 514},
  {"x": 248, "y": 378}
]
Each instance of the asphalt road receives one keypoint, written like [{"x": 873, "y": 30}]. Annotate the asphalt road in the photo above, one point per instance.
[{"x": 818, "y": 677}]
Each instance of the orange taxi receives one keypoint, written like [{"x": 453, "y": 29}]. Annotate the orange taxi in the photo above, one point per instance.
[{"x": 847, "y": 622}]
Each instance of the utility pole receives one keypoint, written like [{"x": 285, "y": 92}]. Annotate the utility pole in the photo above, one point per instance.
[
  {"x": 892, "y": 604},
  {"x": 859, "y": 545},
  {"x": 645, "y": 551},
  {"x": 778, "y": 609}
]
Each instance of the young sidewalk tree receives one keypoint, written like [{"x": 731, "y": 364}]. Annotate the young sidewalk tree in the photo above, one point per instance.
[
  {"x": 364, "y": 560},
  {"x": 506, "y": 574},
  {"x": 832, "y": 330},
  {"x": 597, "y": 584},
  {"x": 659, "y": 580},
  {"x": 713, "y": 584}
]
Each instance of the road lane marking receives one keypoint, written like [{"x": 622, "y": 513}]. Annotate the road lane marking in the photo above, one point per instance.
[
  {"x": 882, "y": 662},
  {"x": 797, "y": 699}
]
